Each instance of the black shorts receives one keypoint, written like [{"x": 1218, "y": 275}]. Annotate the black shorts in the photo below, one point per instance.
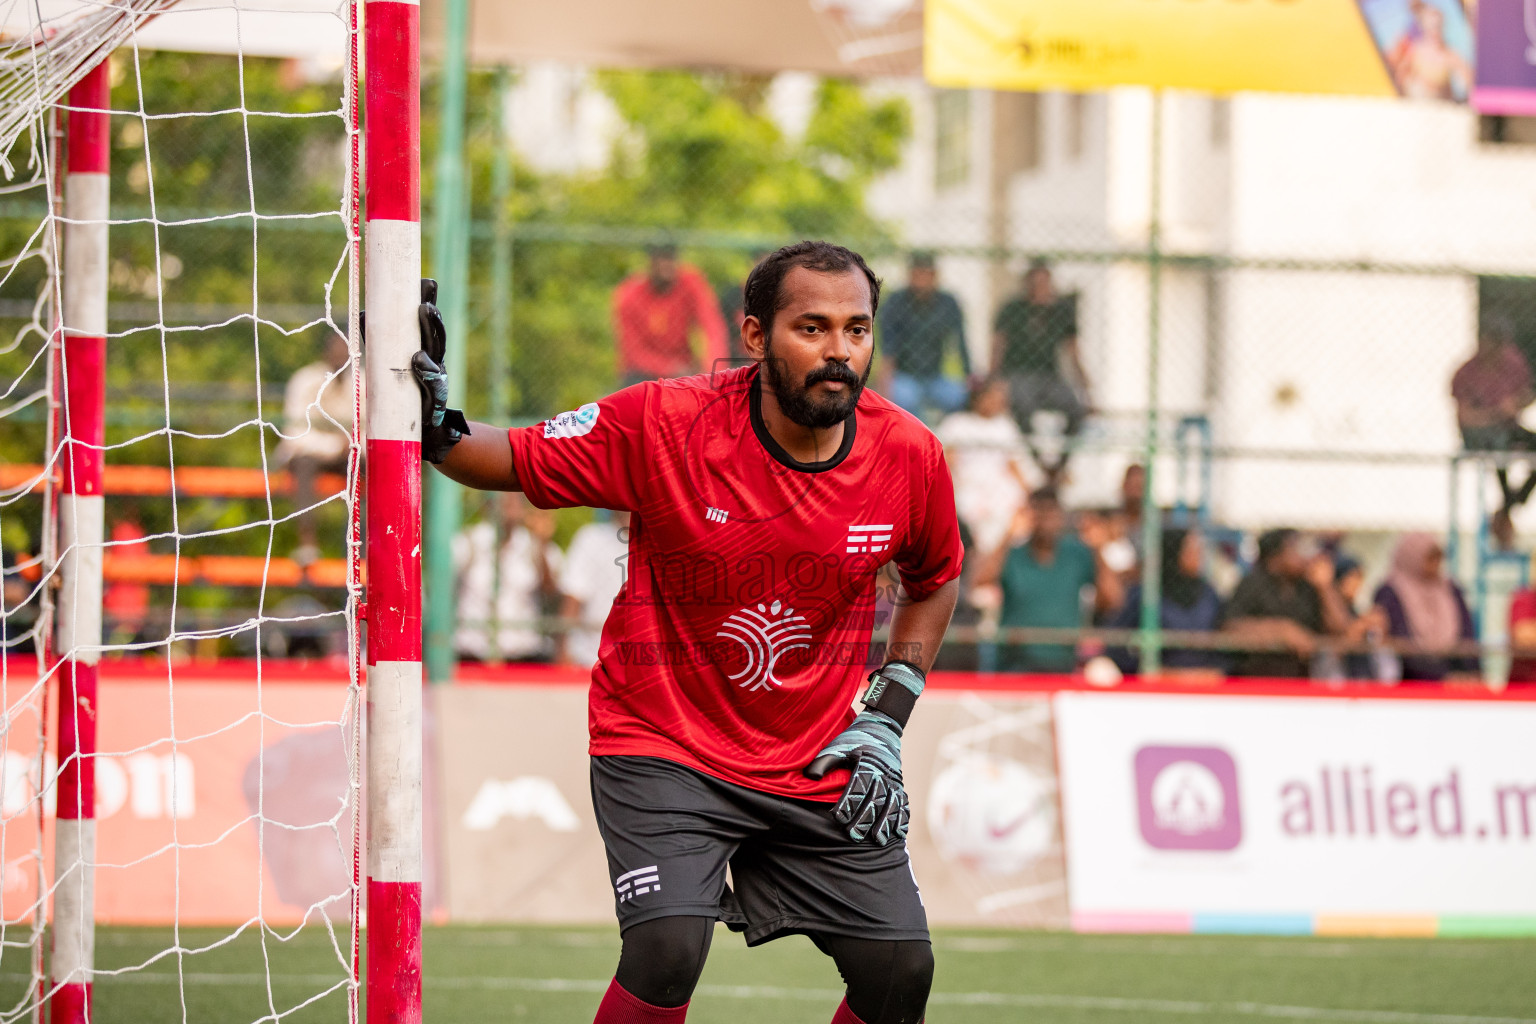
[{"x": 670, "y": 831}]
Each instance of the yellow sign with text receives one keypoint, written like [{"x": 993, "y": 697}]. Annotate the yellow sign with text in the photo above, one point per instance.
[{"x": 1222, "y": 46}]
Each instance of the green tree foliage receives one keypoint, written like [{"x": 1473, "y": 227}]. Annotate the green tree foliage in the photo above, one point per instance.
[
  {"x": 200, "y": 142},
  {"x": 700, "y": 161}
]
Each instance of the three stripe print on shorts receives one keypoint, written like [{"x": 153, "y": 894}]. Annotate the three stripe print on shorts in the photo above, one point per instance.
[{"x": 634, "y": 883}]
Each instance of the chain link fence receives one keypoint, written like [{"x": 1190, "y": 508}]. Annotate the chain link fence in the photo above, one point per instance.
[{"x": 1305, "y": 277}]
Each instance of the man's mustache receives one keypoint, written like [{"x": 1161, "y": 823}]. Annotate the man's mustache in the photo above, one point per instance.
[{"x": 838, "y": 372}]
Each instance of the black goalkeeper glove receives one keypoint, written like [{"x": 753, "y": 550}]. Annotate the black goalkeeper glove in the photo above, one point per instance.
[
  {"x": 441, "y": 427},
  {"x": 874, "y": 805}
]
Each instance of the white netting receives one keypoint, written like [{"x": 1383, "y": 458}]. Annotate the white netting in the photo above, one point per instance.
[{"x": 227, "y": 761}]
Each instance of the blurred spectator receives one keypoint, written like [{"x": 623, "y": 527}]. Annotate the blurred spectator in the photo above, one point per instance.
[
  {"x": 593, "y": 575},
  {"x": 1423, "y": 606},
  {"x": 1035, "y": 347},
  {"x": 1491, "y": 389},
  {"x": 919, "y": 326},
  {"x": 125, "y": 606},
  {"x": 18, "y": 605},
  {"x": 1347, "y": 578},
  {"x": 317, "y": 395},
  {"x": 1133, "y": 489},
  {"x": 1044, "y": 571},
  {"x": 1278, "y": 602},
  {"x": 733, "y": 307},
  {"x": 985, "y": 453},
  {"x": 654, "y": 314},
  {"x": 1522, "y": 631},
  {"x": 1189, "y": 605},
  {"x": 510, "y": 592}
]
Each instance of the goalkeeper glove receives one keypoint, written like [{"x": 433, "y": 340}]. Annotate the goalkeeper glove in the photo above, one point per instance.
[
  {"x": 441, "y": 427},
  {"x": 874, "y": 806}
]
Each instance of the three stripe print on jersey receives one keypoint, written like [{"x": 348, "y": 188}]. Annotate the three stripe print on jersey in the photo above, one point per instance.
[{"x": 869, "y": 540}]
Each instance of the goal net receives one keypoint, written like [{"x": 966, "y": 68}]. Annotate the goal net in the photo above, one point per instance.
[{"x": 180, "y": 472}]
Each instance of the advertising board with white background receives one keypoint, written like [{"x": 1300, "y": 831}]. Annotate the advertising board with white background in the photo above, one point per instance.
[{"x": 1260, "y": 813}]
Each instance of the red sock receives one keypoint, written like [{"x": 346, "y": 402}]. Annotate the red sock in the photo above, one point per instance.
[
  {"x": 845, "y": 1015},
  {"x": 619, "y": 1007}
]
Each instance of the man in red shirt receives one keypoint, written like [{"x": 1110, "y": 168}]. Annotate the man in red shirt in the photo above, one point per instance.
[
  {"x": 653, "y": 314},
  {"x": 765, "y": 500}
]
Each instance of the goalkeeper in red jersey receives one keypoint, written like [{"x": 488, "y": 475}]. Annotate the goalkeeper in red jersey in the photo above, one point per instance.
[{"x": 765, "y": 501}]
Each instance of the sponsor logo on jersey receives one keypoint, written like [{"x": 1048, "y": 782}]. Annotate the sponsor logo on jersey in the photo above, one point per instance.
[
  {"x": 869, "y": 540},
  {"x": 574, "y": 423},
  {"x": 636, "y": 883},
  {"x": 715, "y": 515},
  {"x": 766, "y": 633}
]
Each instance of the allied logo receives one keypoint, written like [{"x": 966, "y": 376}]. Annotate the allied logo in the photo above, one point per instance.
[
  {"x": 766, "y": 633},
  {"x": 574, "y": 423},
  {"x": 869, "y": 540},
  {"x": 715, "y": 515},
  {"x": 1186, "y": 798},
  {"x": 636, "y": 883}
]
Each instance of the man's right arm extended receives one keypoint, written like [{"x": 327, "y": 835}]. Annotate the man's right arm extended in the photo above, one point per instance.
[
  {"x": 590, "y": 456},
  {"x": 482, "y": 459}
]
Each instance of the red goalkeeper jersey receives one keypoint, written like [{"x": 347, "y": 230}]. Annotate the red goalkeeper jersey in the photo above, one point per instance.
[{"x": 742, "y": 632}]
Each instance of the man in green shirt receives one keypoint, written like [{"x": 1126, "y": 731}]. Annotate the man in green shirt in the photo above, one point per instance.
[
  {"x": 1035, "y": 348},
  {"x": 1043, "y": 569}
]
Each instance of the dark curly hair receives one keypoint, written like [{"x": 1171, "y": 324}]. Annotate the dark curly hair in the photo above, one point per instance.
[{"x": 761, "y": 295}]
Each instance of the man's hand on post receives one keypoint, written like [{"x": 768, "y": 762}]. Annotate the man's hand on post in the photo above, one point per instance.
[
  {"x": 441, "y": 427},
  {"x": 873, "y": 806}
]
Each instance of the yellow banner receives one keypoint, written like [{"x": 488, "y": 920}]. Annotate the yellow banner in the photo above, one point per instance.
[{"x": 1319, "y": 46}]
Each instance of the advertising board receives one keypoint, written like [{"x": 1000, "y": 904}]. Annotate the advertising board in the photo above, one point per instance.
[{"x": 1303, "y": 815}]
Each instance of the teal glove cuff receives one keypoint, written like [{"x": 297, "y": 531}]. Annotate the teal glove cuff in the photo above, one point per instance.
[{"x": 894, "y": 689}]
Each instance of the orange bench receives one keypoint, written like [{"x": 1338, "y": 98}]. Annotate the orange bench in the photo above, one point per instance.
[
  {"x": 192, "y": 481},
  {"x": 200, "y": 482},
  {"x": 214, "y": 571}
]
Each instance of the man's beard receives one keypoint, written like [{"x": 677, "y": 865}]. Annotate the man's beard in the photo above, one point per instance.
[{"x": 806, "y": 409}]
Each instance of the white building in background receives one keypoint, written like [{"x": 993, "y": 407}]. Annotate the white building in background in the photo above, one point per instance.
[{"x": 1298, "y": 356}]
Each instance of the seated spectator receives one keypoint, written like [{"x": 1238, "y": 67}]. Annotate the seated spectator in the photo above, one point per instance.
[
  {"x": 592, "y": 578},
  {"x": 1423, "y": 606},
  {"x": 1133, "y": 488},
  {"x": 507, "y": 594},
  {"x": 1189, "y": 605},
  {"x": 1522, "y": 632},
  {"x": 1491, "y": 389},
  {"x": 1277, "y": 604},
  {"x": 317, "y": 414},
  {"x": 654, "y": 314},
  {"x": 1044, "y": 572},
  {"x": 1035, "y": 348},
  {"x": 985, "y": 452},
  {"x": 919, "y": 326},
  {"x": 1349, "y": 582}
]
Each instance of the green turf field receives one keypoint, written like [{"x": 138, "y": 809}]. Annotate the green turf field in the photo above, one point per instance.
[{"x": 557, "y": 975}]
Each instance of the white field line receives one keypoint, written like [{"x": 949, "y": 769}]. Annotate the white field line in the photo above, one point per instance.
[{"x": 822, "y": 995}]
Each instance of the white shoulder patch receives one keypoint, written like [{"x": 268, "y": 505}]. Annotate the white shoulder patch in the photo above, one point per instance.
[{"x": 573, "y": 423}]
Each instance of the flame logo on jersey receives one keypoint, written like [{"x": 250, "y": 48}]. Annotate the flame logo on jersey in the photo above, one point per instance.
[{"x": 766, "y": 634}]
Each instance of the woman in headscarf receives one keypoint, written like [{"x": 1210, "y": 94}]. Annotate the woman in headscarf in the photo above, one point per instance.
[
  {"x": 1423, "y": 606},
  {"x": 1190, "y": 604}
]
